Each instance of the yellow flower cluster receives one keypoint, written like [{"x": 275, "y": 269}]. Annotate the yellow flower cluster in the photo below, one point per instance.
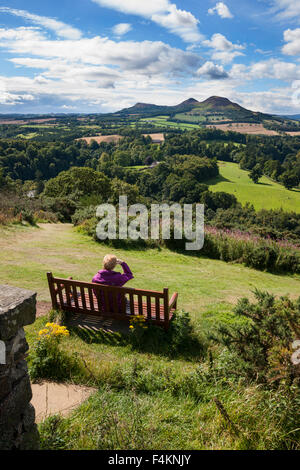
[
  {"x": 138, "y": 320},
  {"x": 53, "y": 330}
]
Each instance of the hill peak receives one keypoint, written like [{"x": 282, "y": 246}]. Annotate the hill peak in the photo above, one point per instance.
[
  {"x": 189, "y": 101},
  {"x": 142, "y": 105},
  {"x": 219, "y": 101}
]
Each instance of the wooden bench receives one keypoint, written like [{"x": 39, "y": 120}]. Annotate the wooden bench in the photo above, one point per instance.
[{"x": 120, "y": 303}]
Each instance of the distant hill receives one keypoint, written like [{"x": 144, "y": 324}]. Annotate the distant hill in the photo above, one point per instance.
[
  {"x": 215, "y": 109},
  {"x": 155, "y": 110},
  {"x": 217, "y": 102},
  {"x": 293, "y": 117}
]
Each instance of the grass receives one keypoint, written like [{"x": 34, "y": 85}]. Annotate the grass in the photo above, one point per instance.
[
  {"x": 193, "y": 118},
  {"x": 31, "y": 135},
  {"x": 265, "y": 195},
  {"x": 147, "y": 400},
  {"x": 26, "y": 254},
  {"x": 162, "y": 121},
  {"x": 126, "y": 420}
]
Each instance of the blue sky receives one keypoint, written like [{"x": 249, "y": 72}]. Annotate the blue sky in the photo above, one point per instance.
[{"x": 102, "y": 55}]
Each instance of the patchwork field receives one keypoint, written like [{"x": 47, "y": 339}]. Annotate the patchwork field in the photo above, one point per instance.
[
  {"x": 265, "y": 195},
  {"x": 156, "y": 137},
  {"x": 243, "y": 128},
  {"x": 162, "y": 121},
  {"x": 295, "y": 134},
  {"x": 102, "y": 138},
  {"x": 27, "y": 121}
]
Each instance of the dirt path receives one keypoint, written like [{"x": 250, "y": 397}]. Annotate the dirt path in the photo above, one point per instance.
[
  {"x": 30, "y": 252},
  {"x": 42, "y": 309},
  {"x": 50, "y": 398}
]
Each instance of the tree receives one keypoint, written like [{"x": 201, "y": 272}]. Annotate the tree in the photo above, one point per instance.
[
  {"x": 121, "y": 158},
  {"x": 2, "y": 179},
  {"x": 289, "y": 180},
  {"x": 256, "y": 173},
  {"x": 80, "y": 181}
]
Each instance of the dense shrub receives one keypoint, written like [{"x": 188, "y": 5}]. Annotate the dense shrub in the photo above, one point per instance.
[
  {"x": 260, "y": 347},
  {"x": 17, "y": 208},
  {"x": 84, "y": 214}
]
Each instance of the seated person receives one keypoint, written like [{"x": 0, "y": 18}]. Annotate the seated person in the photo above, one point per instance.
[{"x": 109, "y": 277}]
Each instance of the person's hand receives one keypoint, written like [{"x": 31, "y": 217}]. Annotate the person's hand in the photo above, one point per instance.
[{"x": 119, "y": 261}]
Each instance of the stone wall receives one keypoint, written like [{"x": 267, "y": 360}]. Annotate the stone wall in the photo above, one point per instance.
[{"x": 17, "y": 416}]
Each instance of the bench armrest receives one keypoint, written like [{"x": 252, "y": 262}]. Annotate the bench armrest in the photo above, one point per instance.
[{"x": 173, "y": 301}]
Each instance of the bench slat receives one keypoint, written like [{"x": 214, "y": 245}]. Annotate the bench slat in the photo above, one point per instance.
[
  {"x": 60, "y": 294},
  {"x": 140, "y": 304},
  {"x": 82, "y": 291},
  {"x": 149, "y": 312},
  {"x": 91, "y": 298},
  {"x": 131, "y": 300},
  {"x": 157, "y": 309}
]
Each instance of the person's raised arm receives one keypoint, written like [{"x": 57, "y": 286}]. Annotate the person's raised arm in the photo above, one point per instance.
[{"x": 127, "y": 274}]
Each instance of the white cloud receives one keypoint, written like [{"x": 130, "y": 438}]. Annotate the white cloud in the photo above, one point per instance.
[
  {"x": 162, "y": 12},
  {"x": 68, "y": 107},
  {"x": 226, "y": 56},
  {"x": 286, "y": 9},
  {"x": 147, "y": 57},
  {"x": 22, "y": 34},
  {"x": 121, "y": 29},
  {"x": 179, "y": 22},
  {"x": 12, "y": 99},
  {"x": 274, "y": 101},
  {"x": 222, "y": 10},
  {"x": 224, "y": 50},
  {"x": 212, "y": 71},
  {"x": 292, "y": 38},
  {"x": 101, "y": 74},
  {"x": 220, "y": 43},
  {"x": 136, "y": 7},
  {"x": 275, "y": 69},
  {"x": 61, "y": 29}
]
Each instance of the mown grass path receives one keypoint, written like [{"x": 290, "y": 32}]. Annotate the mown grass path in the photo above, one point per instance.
[{"x": 26, "y": 254}]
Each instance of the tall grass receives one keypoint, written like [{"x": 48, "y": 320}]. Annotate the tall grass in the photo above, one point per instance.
[
  {"x": 254, "y": 251},
  {"x": 146, "y": 400}
]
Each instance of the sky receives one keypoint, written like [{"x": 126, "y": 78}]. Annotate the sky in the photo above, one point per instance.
[{"x": 99, "y": 56}]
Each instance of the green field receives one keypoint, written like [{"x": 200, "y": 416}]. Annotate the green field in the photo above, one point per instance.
[
  {"x": 162, "y": 121},
  {"x": 193, "y": 118},
  {"x": 31, "y": 135},
  {"x": 265, "y": 195}
]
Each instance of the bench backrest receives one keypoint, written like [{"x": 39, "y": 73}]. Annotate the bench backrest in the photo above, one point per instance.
[{"x": 95, "y": 299}]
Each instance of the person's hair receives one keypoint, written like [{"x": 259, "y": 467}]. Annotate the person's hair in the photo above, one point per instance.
[{"x": 109, "y": 262}]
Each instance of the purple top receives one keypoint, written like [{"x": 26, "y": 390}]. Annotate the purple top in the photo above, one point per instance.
[{"x": 113, "y": 278}]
